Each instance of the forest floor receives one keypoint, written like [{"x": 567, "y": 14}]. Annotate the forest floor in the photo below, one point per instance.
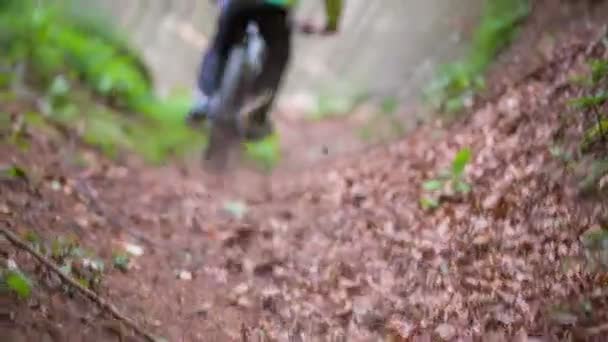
[{"x": 341, "y": 250}]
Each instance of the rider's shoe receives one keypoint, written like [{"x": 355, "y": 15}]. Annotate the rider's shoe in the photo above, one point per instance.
[
  {"x": 199, "y": 111},
  {"x": 259, "y": 130}
]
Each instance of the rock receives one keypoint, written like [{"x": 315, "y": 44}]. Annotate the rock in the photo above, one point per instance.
[
  {"x": 132, "y": 249},
  {"x": 185, "y": 275}
]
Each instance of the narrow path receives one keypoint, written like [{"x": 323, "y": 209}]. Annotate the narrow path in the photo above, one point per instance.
[{"x": 342, "y": 249}]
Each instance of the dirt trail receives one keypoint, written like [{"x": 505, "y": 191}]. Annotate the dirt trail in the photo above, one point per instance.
[{"x": 341, "y": 251}]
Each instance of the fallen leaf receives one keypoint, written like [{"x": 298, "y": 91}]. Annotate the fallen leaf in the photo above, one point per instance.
[
  {"x": 491, "y": 201},
  {"x": 495, "y": 336},
  {"x": 4, "y": 209},
  {"x": 244, "y": 302},
  {"x": 521, "y": 336},
  {"x": 240, "y": 289},
  {"x": 345, "y": 311},
  {"x": 564, "y": 318},
  {"x": 446, "y": 331},
  {"x": 481, "y": 240},
  {"x": 236, "y": 237},
  {"x": 425, "y": 337},
  {"x": 603, "y": 183},
  {"x": 400, "y": 329},
  {"x": 11, "y": 265}
]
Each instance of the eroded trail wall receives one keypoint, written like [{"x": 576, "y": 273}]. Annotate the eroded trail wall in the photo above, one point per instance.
[{"x": 387, "y": 48}]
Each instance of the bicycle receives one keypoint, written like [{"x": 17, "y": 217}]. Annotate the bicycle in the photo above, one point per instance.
[{"x": 230, "y": 105}]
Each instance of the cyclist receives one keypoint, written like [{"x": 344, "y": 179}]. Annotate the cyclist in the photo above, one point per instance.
[{"x": 275, "y": 23}]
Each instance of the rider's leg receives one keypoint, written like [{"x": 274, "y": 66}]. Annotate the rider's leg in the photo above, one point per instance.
[
  {"x": 205, "y": 85},
  {"x": 275, "y": 28},
  {"x": 231, "y": 26}
]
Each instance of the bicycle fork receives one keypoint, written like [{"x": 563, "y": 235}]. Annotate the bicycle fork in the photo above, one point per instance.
[{"x": 256, "y": 55}]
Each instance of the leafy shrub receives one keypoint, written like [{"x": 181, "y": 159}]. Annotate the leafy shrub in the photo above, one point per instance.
[
  {"x": 76, "y": 59},
  {"x": 595, "y": 242},
  {"x": 50, "y": 43},
  {"x": 457, "y": 82},
  {"x": 593, "y": 101}
]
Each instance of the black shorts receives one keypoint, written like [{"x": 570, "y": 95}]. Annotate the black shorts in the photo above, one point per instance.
[{"x": 275, "y": 27}]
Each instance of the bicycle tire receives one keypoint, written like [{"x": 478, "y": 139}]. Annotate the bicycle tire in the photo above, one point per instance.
[{"x": 224, "y": 130}]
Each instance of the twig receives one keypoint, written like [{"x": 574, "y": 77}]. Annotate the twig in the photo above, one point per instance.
[
  {"x": 19, "y": 243},
  {"x": 244, "y": 333}
]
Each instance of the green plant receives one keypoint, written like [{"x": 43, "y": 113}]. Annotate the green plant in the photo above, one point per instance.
[
  {"x": 599, "y": 70},
  {"x": 563, "y": 155},
  {"x": 595, "y": 97},
  {"x": 596, "y": 133},
  {"x": 13, "y": 172},
  {"x": 592, "y": 102},
  {"x": 589, "y": 102},
  {"x": 265, "y": 153},
  {"x": 449, "y": 182},
  {"x": 48, "y": 40},
  {"x": 456, "y": 83},
  {"x": 591, "y": 183},
  {"x": 595, "y": 243},
  {"x": 121, "y": 261},
  {"x": 89, "y": 77},
  {"x": 16, "y": 282},
  {"x": 71, "y": 257}
]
